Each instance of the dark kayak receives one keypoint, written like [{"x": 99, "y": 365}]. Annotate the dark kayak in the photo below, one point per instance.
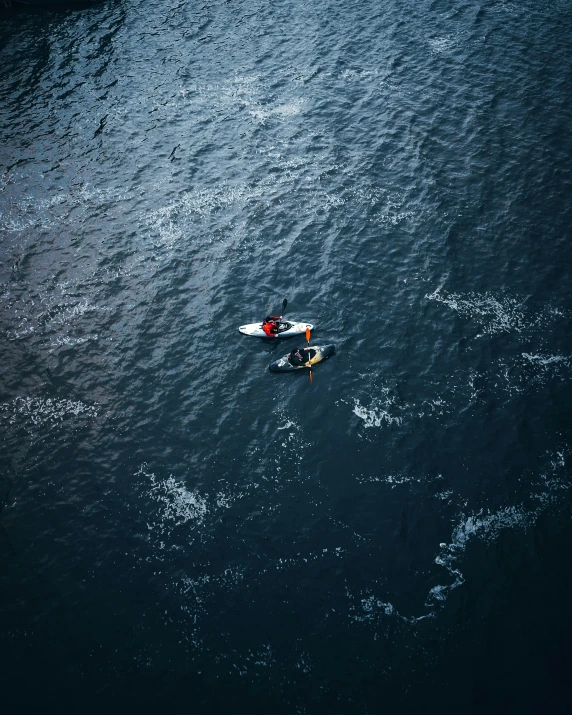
[{"x": 320, "y": 353}]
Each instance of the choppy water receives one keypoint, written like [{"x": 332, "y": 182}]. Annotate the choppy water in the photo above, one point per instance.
[{"x": 182, "y": 528}]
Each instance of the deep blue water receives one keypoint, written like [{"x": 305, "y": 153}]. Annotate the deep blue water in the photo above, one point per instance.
[{"x": 181, "y": 528}]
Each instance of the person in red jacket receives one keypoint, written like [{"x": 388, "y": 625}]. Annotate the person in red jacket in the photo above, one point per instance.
[{"x": 270, "y": 325}]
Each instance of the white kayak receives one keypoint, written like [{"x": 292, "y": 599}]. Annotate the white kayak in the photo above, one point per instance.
[
  {"x": 285, "y": 330},
  {"x": 318, "y": 354}
]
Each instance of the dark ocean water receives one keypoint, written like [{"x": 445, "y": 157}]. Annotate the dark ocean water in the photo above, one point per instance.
[{"x": 181, "y": 528}]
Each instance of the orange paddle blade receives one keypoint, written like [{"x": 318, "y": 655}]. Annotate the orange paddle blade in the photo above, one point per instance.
[{"x": 308, "y": 335}]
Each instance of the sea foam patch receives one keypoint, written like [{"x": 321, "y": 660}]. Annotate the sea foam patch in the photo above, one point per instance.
[
  {"x": 68, "y": 342},
  {"x": 278, "y": 111},
  {"x": 40, "y": 411},
  {"x": 383, "y": 410},
  {"x": 177, "y": 505},
  {"x": 366, "y": 607},
  {"x": 169, "y": 223},
  {"x": 548, "y": 491},
  {"x": 442, "y": 45},
  {"x": 31, "y": 213},
  {"x": 496, "y": 313},
  {"x": 518, "y": 375},
  {"x": 546, "y": 361},
  {"x": 485, "y": 526}
]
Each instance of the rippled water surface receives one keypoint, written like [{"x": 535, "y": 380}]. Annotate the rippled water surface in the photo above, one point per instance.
[{"x": 182, "y": 528}]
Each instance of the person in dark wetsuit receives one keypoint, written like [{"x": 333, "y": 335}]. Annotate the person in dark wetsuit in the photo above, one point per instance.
[
  {"x": 300, "y": 358},
  {"x": 270, "y": 325}
]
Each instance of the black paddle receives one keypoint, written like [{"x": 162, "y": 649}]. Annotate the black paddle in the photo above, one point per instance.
[{"x": 284, "y": 304}]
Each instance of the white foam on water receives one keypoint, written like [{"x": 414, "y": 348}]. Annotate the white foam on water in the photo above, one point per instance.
[
  {"x": 22, "y": 331},
  {"x": 280, "y": 111},
  {"x": 358, "y": 74},
  {"x": 47, "y": 311},
  {"x": 29, "y": 213},
  {"x": 169, "y": 222},
  {"x": 95, "y": 196},
  {"x": 41, "y": 411},
  {"x": 72, "y": 342},
  {"x": 509, "y": 8},
  {"x": 292, "y": 436},
  {"x": 555, "y": 482},
  {"x": 242, "y": 93},
  {"x": 180, "y": 505},
  {"x": 441, "y": 45},
  {"x": 371, "y": 604},
  {"x": 368, "y": 608},
  {"x": 330, "y": 201},
  {"x": 553, "y": 490},
  {"x": 177, "y": 504},
  {"x": 45, "y": 213},
  {"x": 371, "y": 195},
  {"x": 386, "y": 410},
  {"x": 547, "y": 360},
  {"x": 498, "y": 313},
  {"x": 518, "y": 375},
  {"x": 488, "y": 525},
  {"x": 389, "y": 205},
  {"x": 376, "y": 415},
  {"x": 436, "y": 407},
  {"x": 482, "y": 525},
  {"x": 224, "y": 499},
  {"x": 74, "y": 311},
  {"x": 394, "y": 480},
  {"x": 395, "y": 218},
  {"x": 284, "y": 563}
]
